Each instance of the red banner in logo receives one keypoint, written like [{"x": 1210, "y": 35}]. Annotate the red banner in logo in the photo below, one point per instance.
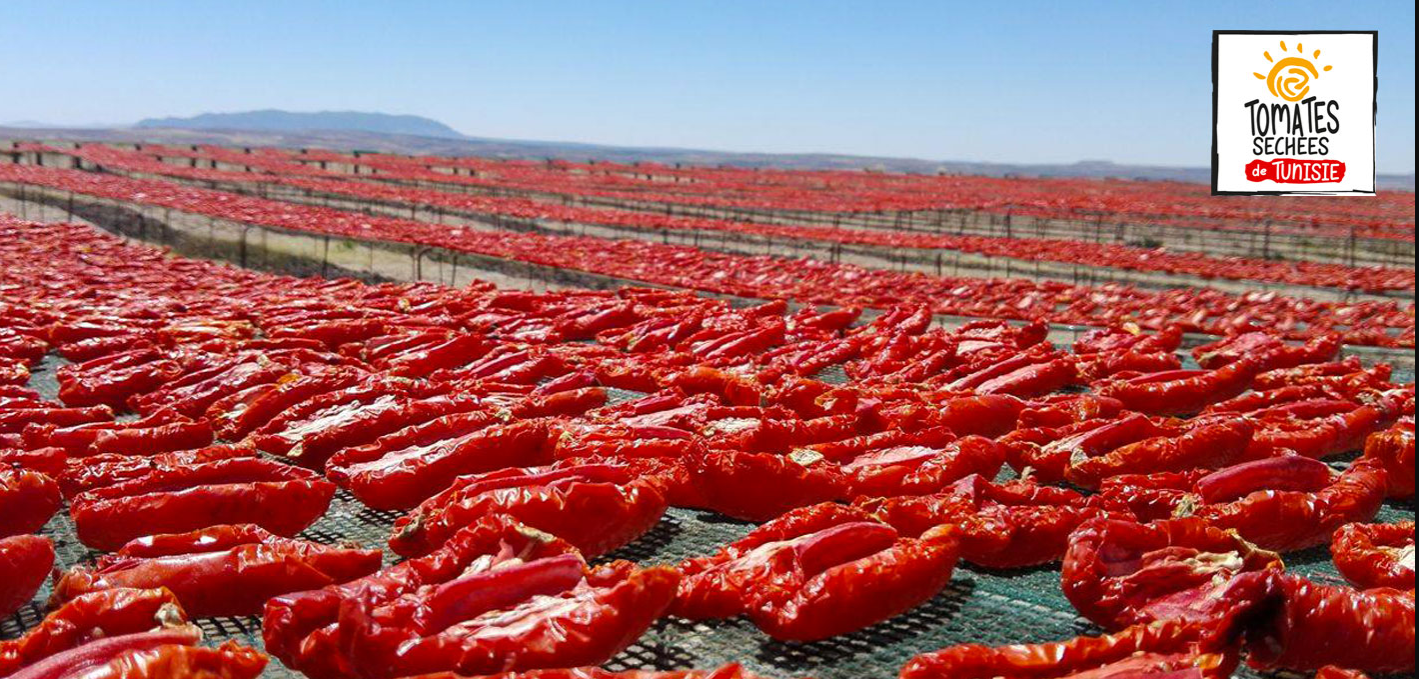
[{"x": 1293, "y": 171}]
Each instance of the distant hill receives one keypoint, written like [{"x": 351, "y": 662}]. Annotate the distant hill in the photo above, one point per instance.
[
  {"x": 272, "y": 120},
  {"x": 347, "y": 131}
]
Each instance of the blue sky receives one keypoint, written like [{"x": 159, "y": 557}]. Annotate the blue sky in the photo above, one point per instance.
[{"x": 1009, "y": 82}]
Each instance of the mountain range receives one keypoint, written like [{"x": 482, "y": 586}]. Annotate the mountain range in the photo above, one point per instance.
[{"x": 272, "y": 120}]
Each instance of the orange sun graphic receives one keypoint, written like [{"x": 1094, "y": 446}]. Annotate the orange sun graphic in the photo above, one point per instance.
[{"x": 1290, "y": 78}]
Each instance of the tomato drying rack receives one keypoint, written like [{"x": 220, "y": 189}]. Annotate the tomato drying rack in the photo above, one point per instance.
[{"x": 979, "y": 606}]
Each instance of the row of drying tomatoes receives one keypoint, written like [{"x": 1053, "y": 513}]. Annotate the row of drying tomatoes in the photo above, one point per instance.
[
  {"x": 1368, "y": 279},
  {"x": 805, "y": 281},
  {"x": 1391, "y": 215}
]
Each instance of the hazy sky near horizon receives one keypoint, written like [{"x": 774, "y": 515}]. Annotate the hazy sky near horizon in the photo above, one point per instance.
[{"x": 1031, "y": 82}]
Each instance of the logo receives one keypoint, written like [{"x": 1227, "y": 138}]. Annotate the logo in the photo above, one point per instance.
[
  {"x": 1290, "y": 78},
  {"x": 1293, "y": 113}
]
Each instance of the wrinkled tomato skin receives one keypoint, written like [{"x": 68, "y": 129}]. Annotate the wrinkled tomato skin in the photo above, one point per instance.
[
  {"x": 1376, "y": 554},
  {"x": 25, "y": 562},
  {"x": 1370, "y": 630},
  {"x": 1167, "y": 649}
]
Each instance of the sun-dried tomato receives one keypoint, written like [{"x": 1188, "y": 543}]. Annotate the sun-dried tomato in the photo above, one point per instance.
[
  {"x": 280, "y": 498},
  {"x": 1375, "y": 554},
  {"x": 1120, "y": 572},
  {"x": 596, "y": 506},
  {"x": 222, "y": 570},
  {"x": 1283, "y": 504},
  {"x": 818, "y": 572},
  {"x": 1168, "y": 649},
  {"x": 25, "y": 562}
]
